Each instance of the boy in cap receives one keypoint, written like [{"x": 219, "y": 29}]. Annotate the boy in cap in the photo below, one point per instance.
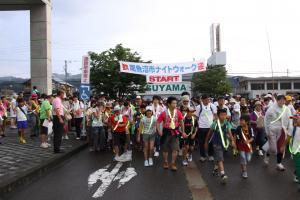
[
  {"x": 118, "y": 124},
  {"x": 191, "y": 128}
]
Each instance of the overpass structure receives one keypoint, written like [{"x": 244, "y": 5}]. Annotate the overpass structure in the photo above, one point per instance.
[{"x": 40, "y": 39}]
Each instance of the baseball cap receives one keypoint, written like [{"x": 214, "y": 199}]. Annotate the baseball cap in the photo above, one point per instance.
[{"x": 288, "y": 98}]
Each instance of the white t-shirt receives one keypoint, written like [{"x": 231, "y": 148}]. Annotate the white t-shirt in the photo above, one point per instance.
[
  {"x": 76, "y": 106},
  {"x": 157, "y": 110},
  {"x": 20, "y": 115},
  {"x": 206, "y": 117},
  {"x": 97, "y": 122},
  {"x": 12, "y": 107},
  {"x": 296, "y": 140}
]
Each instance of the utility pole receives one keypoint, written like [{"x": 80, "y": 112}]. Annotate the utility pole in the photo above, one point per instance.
[
  {"x": 66, "y": 70},
  {"x": 287, "y": 72}
]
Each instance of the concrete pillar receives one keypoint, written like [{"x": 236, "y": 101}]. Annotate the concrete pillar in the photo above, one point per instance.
[{"x": 40, "y": 44}]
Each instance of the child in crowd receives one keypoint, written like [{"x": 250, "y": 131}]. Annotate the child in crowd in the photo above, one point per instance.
[
  {"x": 294, "y": 146},
  {"x": 219, "y": 134},
  {"x": 244, "y": 138},
  {"x": 148, "y": 129},
  {"x": 22, "y": 125},
  {"x": 191, "y": 128}
]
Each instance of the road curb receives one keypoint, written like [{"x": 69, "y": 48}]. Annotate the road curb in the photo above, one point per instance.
[{"x": 36, "y": 172}]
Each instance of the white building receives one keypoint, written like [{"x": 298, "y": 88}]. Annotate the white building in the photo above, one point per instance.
[{"x": 252, "y": 87}]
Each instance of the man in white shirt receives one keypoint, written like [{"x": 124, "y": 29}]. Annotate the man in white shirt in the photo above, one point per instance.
[
  {"x": 206, "y": 113},
  {"x": 277, "y": 125},
  {"x": 77, "y": 109}
]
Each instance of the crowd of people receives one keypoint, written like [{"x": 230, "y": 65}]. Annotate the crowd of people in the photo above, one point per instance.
[{"x": 264, "y": 126}]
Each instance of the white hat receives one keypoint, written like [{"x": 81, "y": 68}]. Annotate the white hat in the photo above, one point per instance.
[
  {"x": 149, "y": 108},
  {"x": 117, "y": 108},
  {"x": 185, "y": 98},
  {"x": 232, "y": 100},
  {"x": 268, "y": 96}
]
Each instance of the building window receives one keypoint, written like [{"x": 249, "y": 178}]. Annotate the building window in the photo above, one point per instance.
[
  {"x": 257, "y": 86},
  {"x": 285, "y": 86},
  {"x": 297, "y": 85},
  {"x": 270, "y": 86}
]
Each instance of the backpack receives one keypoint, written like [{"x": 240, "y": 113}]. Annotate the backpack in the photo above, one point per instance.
[{"x": 201, "y": 109}]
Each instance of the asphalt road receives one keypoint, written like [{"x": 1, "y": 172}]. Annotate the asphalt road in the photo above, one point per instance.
[
  {"x": 69, "y": 181},
  {"x": 263, "y": 183}
]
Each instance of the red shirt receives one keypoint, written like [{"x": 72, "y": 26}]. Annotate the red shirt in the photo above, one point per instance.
[
  {"x": 114, "y": 124},
  {"x": 162, "y": 118}
]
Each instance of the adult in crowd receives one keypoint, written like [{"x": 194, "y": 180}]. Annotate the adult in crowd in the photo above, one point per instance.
[
  {"x": 77, "y": 109},
  {"x": 171, "y": 120},
  {"x": 58, "y": 120},
  {"x": 277, "y": 125},
  {"x": 206, "y": 113}
]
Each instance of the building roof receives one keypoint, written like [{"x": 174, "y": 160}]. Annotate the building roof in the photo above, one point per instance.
[{"x": 276, "y": 78}]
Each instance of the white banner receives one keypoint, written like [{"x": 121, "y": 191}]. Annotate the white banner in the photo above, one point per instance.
[
  {"x": 85, "y": 73},
  {"x": 164, "y": 78},
  {"x": 170, "y": 88},
  {"x": 162, "y": 69}
]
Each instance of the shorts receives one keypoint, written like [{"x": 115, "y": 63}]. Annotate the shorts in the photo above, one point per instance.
[
  {"x": 22, "y": 124},
  {"x": 189, "y": 141},
  {"x": 44, "y": 130},
  {"x": 245, "y": 157},
  {"x": 119, "y": 139},
  {"x": 149, "y": 137},
  {"x": 169, "y": 142},
  {"x": 218, "y": 152}
]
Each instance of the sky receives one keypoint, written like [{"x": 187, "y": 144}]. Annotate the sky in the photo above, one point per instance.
[{"x": 164, "y": 31}]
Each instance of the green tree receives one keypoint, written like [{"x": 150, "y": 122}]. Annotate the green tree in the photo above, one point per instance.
[
  {"x": 212, "y": 82},
  {"x": 106, "y": 77}
]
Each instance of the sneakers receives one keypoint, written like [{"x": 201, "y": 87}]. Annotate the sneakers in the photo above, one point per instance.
[
  {"x": 266, "y": 160},
  {"x": 190, "y": 158},
  {"x": 156, "y": 154},
  {"x": 146, "y": 163},
  {"x": 260, "y": 153},
  {"x": 224, "y": 178},
  {"x": 22, "y": 140},
  {"x": 166, "y": 165},
  {"x": 184, "y": 163},
  {"x": 280, "y": 167},
  {"x": 215, "y": 172},
  {"x": 66, "y": 137},
  {"x": 245, "y": 175},
  {"x": 296, "y": 180},
  {"x": 49, "y": 145},
  {"x": 202, "y": 159},
  {"x": 150, "y": 162},
  {"x": 77, "y": 138},
  {"x": 44, "y": 145},
  {"x": 173, "y": 167},
  {"x": 211, "y": 158}
]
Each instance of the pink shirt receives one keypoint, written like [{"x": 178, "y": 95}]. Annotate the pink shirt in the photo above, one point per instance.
[
  {"x": 162, "y": 118},
  {"x": 57, "y": 104}
]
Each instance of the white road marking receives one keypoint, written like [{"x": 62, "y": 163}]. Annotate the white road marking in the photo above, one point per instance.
[
  {"x": 107, "y": 177},
  {"x": 128, "y": 175}
]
